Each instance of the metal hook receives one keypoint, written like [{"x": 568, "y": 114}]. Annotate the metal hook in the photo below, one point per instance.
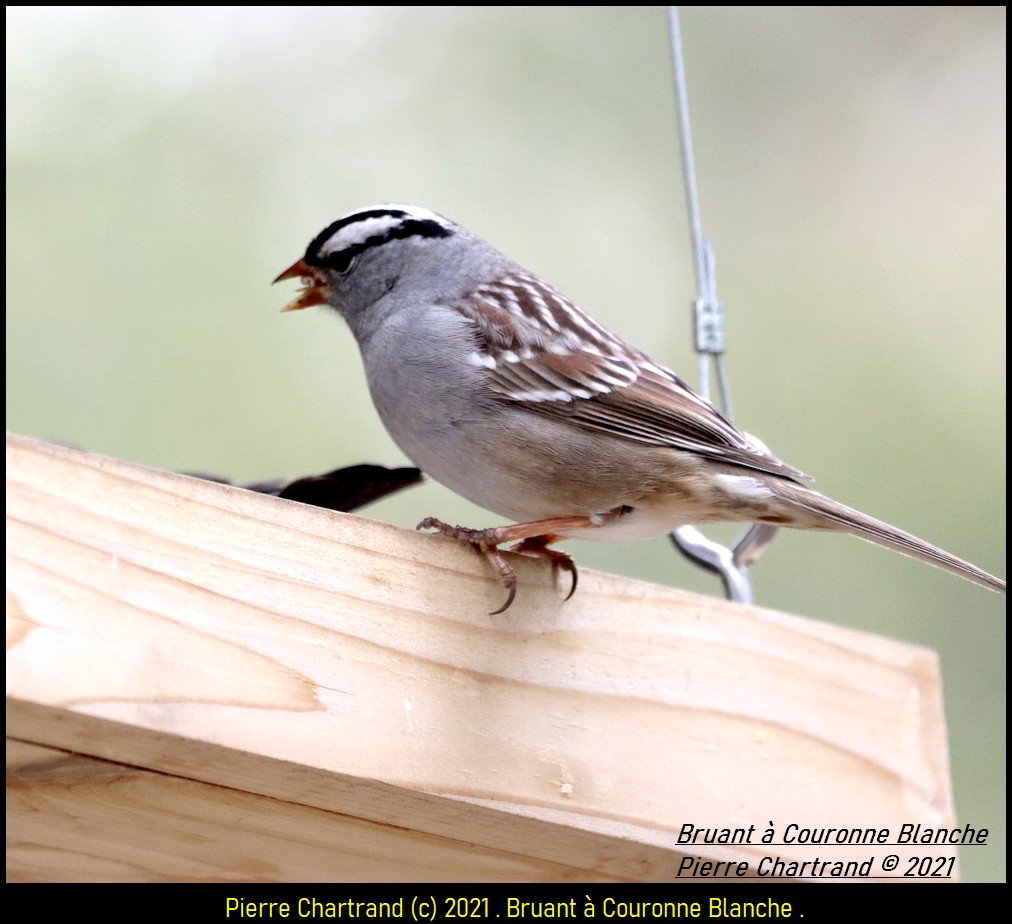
[{"x": 731, "y": 565}]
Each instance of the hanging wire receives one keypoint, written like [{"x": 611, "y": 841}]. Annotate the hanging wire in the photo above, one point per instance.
[{"x": 729, "y": 564}]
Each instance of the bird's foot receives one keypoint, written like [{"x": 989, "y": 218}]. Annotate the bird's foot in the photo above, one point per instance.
[
  {"x": 487, "y": 542},
  {"x": 538, "y": 545}
]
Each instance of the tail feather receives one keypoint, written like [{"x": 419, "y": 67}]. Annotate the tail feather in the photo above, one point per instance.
[{"x": 834, "y": 515}]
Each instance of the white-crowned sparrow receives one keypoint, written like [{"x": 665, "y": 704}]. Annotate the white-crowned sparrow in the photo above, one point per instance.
[{"x": 498, "y": 386}]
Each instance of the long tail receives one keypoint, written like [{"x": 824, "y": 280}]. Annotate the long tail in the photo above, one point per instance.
[{"x": 839, "y": 517}]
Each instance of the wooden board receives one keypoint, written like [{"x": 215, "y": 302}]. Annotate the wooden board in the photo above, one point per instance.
[{"x": 206, "y": 683}]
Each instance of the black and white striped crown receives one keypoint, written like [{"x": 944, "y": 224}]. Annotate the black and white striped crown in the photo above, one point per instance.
[{"x": 339, "y": 243}]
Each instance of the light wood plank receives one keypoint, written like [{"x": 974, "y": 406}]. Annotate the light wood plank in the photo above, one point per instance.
[{"x": 204, "y": 639}]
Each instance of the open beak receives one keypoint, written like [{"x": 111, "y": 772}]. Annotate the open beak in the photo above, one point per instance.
[{"x": 313, "y": 291}]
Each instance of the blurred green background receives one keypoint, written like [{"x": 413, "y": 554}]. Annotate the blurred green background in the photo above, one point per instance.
[{"x": 164, "y": 164}]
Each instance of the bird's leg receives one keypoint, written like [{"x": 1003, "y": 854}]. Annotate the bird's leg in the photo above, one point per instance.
[{"x": 531, "y": 538}]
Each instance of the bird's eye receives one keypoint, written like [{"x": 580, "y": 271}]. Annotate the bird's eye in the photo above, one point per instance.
[{"x": 341, "y": 261}]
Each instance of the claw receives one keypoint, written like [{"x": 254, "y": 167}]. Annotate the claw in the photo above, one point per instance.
[
  {"x": 538, "y": 545},
  {"x": 506, "y": 573},
  {"x": 571, "y": 568},
  {"x": 509, "y": 578}
]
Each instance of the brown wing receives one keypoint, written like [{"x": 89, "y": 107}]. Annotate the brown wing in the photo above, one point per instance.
[{"x": 542, "y": 352}]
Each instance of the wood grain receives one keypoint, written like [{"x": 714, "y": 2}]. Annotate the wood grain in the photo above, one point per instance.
[{"x": 205, "y": 683}]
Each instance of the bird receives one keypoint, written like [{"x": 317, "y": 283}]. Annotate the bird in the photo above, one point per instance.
[{"x": 499, "y": 387}]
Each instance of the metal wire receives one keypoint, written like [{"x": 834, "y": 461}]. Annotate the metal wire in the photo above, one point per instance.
[{"x": 731, "y": 565}]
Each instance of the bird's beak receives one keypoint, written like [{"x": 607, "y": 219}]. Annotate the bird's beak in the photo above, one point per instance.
[{"x": 313, "y": 291}]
